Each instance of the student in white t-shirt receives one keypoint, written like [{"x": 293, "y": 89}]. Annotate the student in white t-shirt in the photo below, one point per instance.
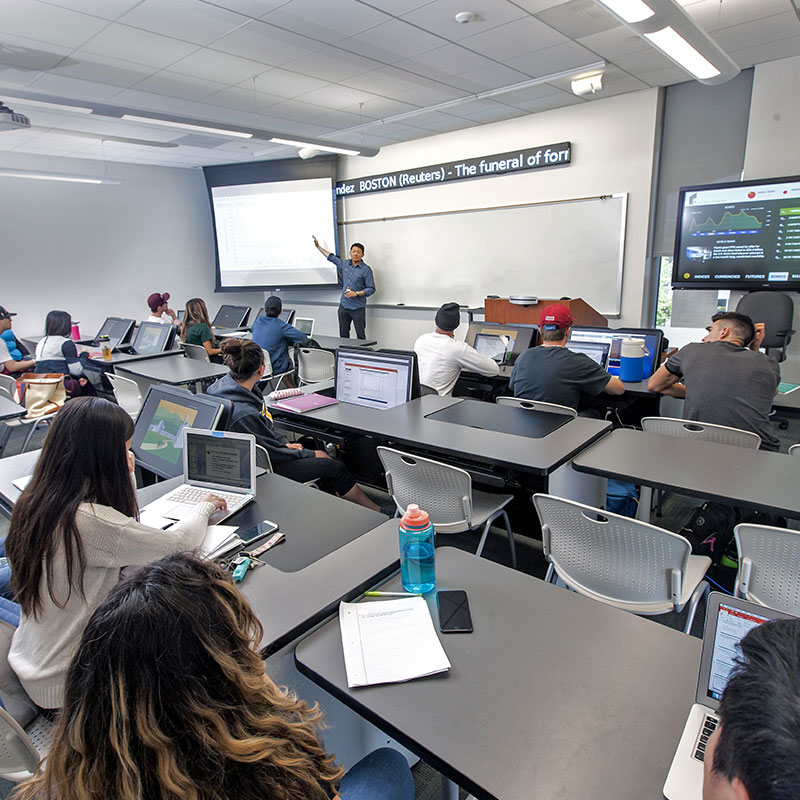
[{"x": 160, "y": 310}]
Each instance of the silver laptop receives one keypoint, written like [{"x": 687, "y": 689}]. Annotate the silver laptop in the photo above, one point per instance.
[
  {"x": 304, "y": 325},
  {"x": 728, "y": 619},
  {"x": 219, "y": 462}
]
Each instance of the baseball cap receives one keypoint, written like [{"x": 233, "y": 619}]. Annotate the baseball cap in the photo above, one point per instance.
[
  {"x": 6, "y": 314},
  {"x": 155, "y": 300},
  {"x": 554, "y": 317},
  {"x": 274, "y": 305}
]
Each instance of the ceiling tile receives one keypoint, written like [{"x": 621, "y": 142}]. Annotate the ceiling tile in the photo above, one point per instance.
[
  {"x": 187, "y": 20},
  {"x": 285, "y": 83},
  {"x": 514, "y": 39},
  {"x": 249, "y": 8},
  {"x": 644, "y": 61},
  {"x": 140, "y": 47},
  {"x": 105, "y": 9},
  {"x": 388, "y": 81},
  {"x": 380, "y": 108},
  {"x": 758, "y": 54},
  {"x": 430, "y": 94},
  {"x": 553, "y": 59},
  {"x": 181, "y": 86},
  {"x": 770, "y": 29},
  {"x": 103, "y": 69},
  {"x": 578, "y": 18},
  {"x": 619, "y": 41},
  {"x": 522, "y": 97},
  {"x": 295, "y": 110},
  {"x": 550, "y": 101},
  {"x": 395, "y": 7},
  {"x": 712, "y": 15},
  {"x": 488, "y": 113},
  {"x": 495, "y": 76},
  {"x": 18, "y": 78},
  {"x": 242, "y": 98},
  {"x": 28, "y": 54},
  {"x": 332, "y": 64},
  {"x": 212, "y": 65},
  {"x": 266, "y": 43},
  {"x": 337, "y": 96},
  {"x": 391, "y": 41},
  {"x": 147, "y": 101},
  {"x": 665, "y": 76},
  {"x": 439, "y": 17},
  {"x": 74, "y": 88},
  {"x": 327, "y": 22},
  {"x": 445, "y": 61},
  {"x": 48, "y": 23},
  {"x": 334, "y": 120}
]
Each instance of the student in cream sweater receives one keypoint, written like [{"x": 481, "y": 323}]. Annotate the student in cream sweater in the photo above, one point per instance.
[{"x": 74, "y": 528}]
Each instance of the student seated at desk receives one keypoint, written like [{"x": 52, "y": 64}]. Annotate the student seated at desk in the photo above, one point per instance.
[
  {"x": 9, "y": 365},
  {"x": 159, "y": 309},
  {"x": 441, "y": 358},
  {"x": 754, "y": 754},
  {"x": 167, "y": 697},
  {"x": 250, "y": 415},
  {"x": 196, "y": 328},
  {"x": 56, "y": 352},
  {"x": 274, "y": 335},
  {"x": 73, "y": 529},
  {"x": 552, "y": 373},
  {"x": 726, "y": 380}
]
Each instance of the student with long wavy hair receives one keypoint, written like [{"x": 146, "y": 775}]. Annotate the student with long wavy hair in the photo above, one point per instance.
[
  {"x": 196, "y": 327},
  {"x": 167, "y": 699},
  {"x": 73, "y": 529},
  {"x": 245, "y": 360}
]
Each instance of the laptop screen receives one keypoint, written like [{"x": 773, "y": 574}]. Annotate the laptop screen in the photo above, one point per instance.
[
  {"x": 597, "y": 351},
  {"x": 152, "y": 337},
  {"x": 218, "y": 459},
  {"x": 304, "y": 325},
  {"x": 372, "y": 378},
  {"x": 494, "y": 346}
]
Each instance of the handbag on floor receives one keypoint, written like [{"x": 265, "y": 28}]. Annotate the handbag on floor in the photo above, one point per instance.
[{"x": 41, "y": 393}]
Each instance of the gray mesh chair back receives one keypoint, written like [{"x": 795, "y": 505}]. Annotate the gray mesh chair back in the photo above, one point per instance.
[
  {"x": 446, "y": 493},
  {"x": 769, "y": 566},
  {"x": 196, "y": 352},
  {"x": 314, "y": 365},
  {"x": 127, "y": 393},
  {"x": 705, "y": 431},
  {"x": 19, "y": 753},
  {"x": 776, "y": 311},
  {"x": 8, "y": 388},
  {"x": 263, "y": 461},
  {"x": 536, "y": 405},
  {"x": 267, "y": 363},
  {"x": 794, "y": 450},
  {"x": 618, "y": 560}
]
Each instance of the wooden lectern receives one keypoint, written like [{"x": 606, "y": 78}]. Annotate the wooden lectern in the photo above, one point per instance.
[{"x": 507, "y": 313}]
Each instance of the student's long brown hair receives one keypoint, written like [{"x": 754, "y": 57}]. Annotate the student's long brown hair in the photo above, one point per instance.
[
  {"x": 167, "y": 699},
  {"x": 83, "y": 460},
  {"x": 195, "y": 311}
]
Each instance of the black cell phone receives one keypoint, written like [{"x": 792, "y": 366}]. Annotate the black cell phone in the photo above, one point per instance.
[
  {"x": 454, "y": 616},
  {"x": 259, "y": 531}
]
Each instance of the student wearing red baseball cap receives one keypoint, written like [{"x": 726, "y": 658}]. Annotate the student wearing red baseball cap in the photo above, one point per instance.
[
  {"x": 160, "y": 310},
  {"x": 553, "y": 374}
]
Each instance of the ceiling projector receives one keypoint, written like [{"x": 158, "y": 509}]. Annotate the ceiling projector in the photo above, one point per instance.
[{"x": 10, "y": 120}]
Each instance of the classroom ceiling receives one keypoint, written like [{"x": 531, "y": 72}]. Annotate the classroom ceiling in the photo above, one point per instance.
[{"x": 345, "y": 71}]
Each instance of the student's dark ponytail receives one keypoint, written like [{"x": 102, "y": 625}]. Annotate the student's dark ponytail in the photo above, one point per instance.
[{"x": 242, "y": 357}]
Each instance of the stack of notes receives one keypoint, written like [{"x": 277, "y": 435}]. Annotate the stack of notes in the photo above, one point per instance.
[{"x": 389, "y": 641}]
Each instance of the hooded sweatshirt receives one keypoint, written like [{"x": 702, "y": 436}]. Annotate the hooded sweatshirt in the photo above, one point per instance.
[{"x": 250, "y": 415}]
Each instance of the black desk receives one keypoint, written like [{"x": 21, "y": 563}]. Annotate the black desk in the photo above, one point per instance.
[
  {"x": 553, "y": 696},
  {"x": 174, "y": 371},
  {"x": 334, "y": 342},
  {"x": 118, "y": 358},
  {"x": 10, "y": 410},
  {"x": 751, "y": 478}
]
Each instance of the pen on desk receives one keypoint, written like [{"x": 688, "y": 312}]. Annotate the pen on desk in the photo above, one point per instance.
[{"x": 393, "y": 594}]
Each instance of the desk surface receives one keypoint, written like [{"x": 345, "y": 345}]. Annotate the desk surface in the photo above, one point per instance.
[
  {"x": 175, "y": 371},
  {"x": 553, "y": 695},
  {"x": 334, "y": 342},
  {"x": 118, "y": 358},
  {"x": 11, "y": 468},
  {"x": 752, "y": 478},
  {"x": 10, "y": 410},
  {"x": 407, "y": 424}
]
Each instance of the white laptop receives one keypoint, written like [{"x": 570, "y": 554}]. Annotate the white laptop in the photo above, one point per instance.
[
  {"x": 728, "y": 620},
  {"x": 219, "y": 462},
  {"x": 304, "y": 325}
]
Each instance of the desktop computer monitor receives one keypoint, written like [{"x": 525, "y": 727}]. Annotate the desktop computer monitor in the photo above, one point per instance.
[
  {"x": 231, "y": 317},
  {"x": 153, "y": 337},
  {"x": 653, "y": 341},
  {"x": 117, "y": 329},
  {"x": 501, "y": 343},
  {"x": 158, "y": 436},
  {"x": 374, "y": 378},
  {"x": 287, "y": 316}
]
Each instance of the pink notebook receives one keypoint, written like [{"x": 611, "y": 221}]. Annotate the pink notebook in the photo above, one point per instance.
[{"x": 305, "y": 402}]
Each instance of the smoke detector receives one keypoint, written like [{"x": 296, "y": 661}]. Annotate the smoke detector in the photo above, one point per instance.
[{"x": 463, "y": 17}]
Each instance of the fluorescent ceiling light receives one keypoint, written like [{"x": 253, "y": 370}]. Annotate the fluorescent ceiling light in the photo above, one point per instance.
[
  {"x": 296, "y": 143},
  {"x": 23, "y": 101},
  {"x": 187, "y": 126},
  {"x": 630, "y": 10},
  {"x": 672, "y": 44},
  {"x": 55, "y": 176}
]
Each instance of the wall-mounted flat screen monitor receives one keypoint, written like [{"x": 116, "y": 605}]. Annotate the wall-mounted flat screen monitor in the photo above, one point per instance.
[
  {"x": 743, "y": 235},
  {"x": 117, "y": 329},
  {"x": 158, "y": 436},
  {"x": 231, "y": 317},
  {"x": 153, "y": 337},
  {"x": 612, "y": 338},
  {"x": 374, "y": 378},
  {"x": 501, "y": 343}
]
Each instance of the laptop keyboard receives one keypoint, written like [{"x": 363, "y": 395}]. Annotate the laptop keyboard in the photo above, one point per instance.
[
  {"x": 192, "y": 495},
  {"x": 709, "y": 726}
]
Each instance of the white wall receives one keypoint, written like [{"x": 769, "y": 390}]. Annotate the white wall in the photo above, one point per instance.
[
  {"x": 100, "y": 250},
  {"x": 613, "y": 146},
  {"x": 772, "y": 151}
]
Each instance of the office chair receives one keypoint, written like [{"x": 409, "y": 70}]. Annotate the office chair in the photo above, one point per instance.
[
  {"x": 263, "y": 461},
  {"x": 447, "y": 495},
  {"x": 313, "y": 365},
  {"x": 196, "y": 351},
  {"x": 776, "y": 311},
  {"x": 769, "y": 566},
  {"x": 623, "y": 562},
  {"x": 536, "y": 405},
  {"x": 127, "y": 394}
]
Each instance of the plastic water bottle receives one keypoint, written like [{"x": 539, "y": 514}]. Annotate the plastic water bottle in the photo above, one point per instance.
[{"x": 417, "y": 555}]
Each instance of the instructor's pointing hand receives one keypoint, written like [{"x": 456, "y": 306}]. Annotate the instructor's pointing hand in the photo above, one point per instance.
[{"x": 315, "y": 240}]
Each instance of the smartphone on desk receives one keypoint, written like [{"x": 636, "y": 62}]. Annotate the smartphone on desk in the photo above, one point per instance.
[
  {"x": 454, "y": 616},
  {"x": 258, "y": 531}
]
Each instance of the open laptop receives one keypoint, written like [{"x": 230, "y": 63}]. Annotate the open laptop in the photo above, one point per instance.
[
  {"x": 153, "y": 337},
  {"x": 219, "y": 462},
  {"x": 304, "y": 325},
  {"x": 728, "y": 620},
  {"x": 597, "y": 351}
]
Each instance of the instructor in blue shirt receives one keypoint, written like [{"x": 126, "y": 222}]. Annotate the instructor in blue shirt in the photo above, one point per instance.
[{"x": 355, "y": 277}]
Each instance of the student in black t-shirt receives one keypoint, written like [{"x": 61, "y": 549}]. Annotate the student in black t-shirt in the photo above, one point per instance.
[{"x": 553, "y": 374}]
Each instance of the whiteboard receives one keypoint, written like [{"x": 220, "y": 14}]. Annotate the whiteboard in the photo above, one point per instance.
[{"x": 572, "y": 248}]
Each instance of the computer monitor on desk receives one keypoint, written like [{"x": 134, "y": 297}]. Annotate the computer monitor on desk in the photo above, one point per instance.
[
  {"x": 153, "y": 337},
  {"x": 231, "y": 317},
  {"x": 653, "y": 339},
  {"x": 118, "y": 330},
  {"x": 375, "y": 378},
  {"x": 501, "y": 343}
]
